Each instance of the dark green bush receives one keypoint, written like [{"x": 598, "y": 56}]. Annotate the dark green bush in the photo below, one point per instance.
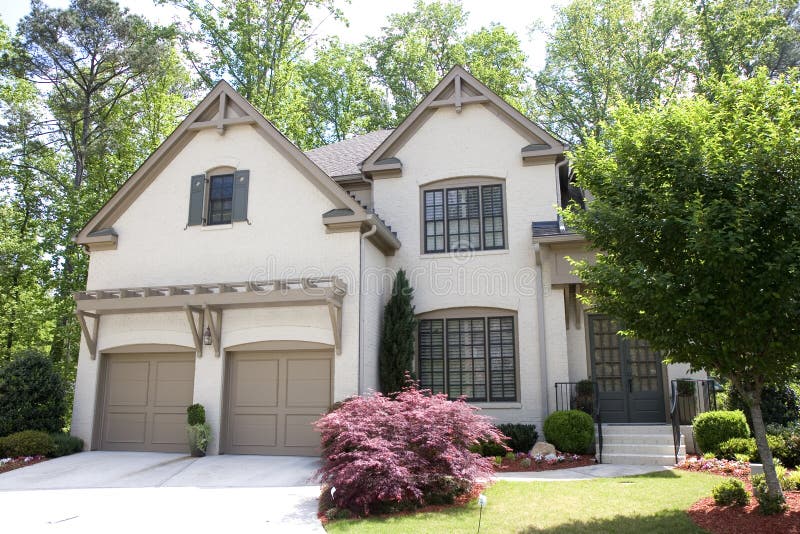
[
  {"x": 731, "y": 491},
  {"x": 789, "y": 454},
  {"x": 570, "y": 431},
  {"x": 779, "y": 405},
  {"x": 766, "y": 505},
  {"x": 521, "y": 437},
  {"x": 730, "y": 448},
  {"x": 32, "y": 395},
  {"x": 489, "y": 448},
  {"x": 26, "y": 443},
  {"x": 196, "y": 414},
  {"x": 714, "y": 428},
  {"x": 64, "y": 444}
]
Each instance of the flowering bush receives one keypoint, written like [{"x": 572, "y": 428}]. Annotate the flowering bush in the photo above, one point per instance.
[
  {"x": 713, "y": 465},
  {"x": 382, "y": 454}
]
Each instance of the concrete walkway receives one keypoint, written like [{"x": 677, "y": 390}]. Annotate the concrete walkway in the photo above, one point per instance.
[
  {"x": 158, "y": 492},
  {"x": 588, "y": 472}
]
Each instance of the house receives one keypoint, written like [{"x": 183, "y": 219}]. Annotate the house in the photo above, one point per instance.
[{"x": 236, "y": 271}]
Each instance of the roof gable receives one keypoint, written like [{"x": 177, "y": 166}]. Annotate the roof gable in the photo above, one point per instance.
[
  {"x": 459, "y": 88},
  {"x": 221, "y": 108}
]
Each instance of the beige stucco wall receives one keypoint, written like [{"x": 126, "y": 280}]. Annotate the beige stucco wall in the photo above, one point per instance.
[
  {"x": 475, "y": 143},
  {"x": 285, "y": 239},
  {"x": 377, "y": 280}
]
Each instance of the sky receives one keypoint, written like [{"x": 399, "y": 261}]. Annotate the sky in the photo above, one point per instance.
[{"x": 366, "y": 17}]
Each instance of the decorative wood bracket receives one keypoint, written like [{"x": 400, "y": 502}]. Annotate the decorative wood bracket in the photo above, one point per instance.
[
  {"x": 335, "y": 311},
  {"x": 459, "y": 99},
  {"x": 215, "y": 327},
  {"x": 196, "y": 327},
  {"x": 89, "y": 337}
]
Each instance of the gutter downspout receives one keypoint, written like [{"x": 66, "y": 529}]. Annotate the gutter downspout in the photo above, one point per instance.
[
  {"x": 361, "y": 369},
  {"x": 537, "y": 251}
]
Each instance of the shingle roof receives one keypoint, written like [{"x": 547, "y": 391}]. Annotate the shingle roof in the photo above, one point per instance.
[
  {"x": 344, "y": 157},
  {"x": 550, "y": 228}
]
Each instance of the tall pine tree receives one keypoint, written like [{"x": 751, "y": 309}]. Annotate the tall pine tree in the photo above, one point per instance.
[{"x": 397, "y": 338}]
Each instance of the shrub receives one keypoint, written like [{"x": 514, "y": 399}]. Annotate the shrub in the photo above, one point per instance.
[
  {"x": 196, "y": 414},
  {"x": 525, "y": 462},
  {"x": 26, "y": 443},
  {"x": 738, "y": 446},
  {"x": 789, "y": 452},
  {"x": 32, "y": 395},
  {"x": 570, "y": 431},
  {"x": 382, "y": 454},
  {"x": 729, "y": 492},
  {"x": 713, "y": 428},
  {"x": 766, "y": 505},
  {"x": 64, "y": 444},
  {"x": 488, "y": 448},
  {"x": 779, "y": 405},
  {"x": 793, "y": 481},
  {"x": 521, "y": 437}
]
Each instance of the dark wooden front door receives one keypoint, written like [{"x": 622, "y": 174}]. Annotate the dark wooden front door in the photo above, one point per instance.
[{"x": 628, "y": 373}]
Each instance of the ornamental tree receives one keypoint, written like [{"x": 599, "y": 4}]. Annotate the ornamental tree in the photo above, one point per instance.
[
  {"x": 697, "y": 218},
  {"x": 397, "y": 339}
]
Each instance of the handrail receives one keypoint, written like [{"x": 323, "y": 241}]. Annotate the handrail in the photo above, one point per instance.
[
  {"x": 674, "y": 414},
  {"x": 567, "y": 398},
  {"x": 599, "y": 421},
  {"x": 703, "y": 391}
]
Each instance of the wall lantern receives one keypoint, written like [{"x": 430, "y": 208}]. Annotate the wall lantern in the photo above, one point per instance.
[{"x": 207, "y": 336}]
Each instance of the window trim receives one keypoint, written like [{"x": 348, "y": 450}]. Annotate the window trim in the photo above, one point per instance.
[
  {"x": 209, "y": 180},
  {"x": 466, "y": 314},
  {"x": 460, "y": 183}
]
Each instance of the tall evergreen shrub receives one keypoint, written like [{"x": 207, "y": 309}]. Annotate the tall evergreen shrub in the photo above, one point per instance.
[{"x": 397, "y": 338}]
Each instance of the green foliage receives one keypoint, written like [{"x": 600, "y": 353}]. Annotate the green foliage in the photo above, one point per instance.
[
  {"x": 732, "y": 448},
  {"x": 768, "y": 503},
  {"x": 521, "y": 437},
  {"x": 792, "y": 481},
  {"x": 711, "y": 429},
  {"x": 64, "y": 444},
  {"x": 196, "y": 414},
  {"x": 26, "y": 443},
  {"x": 789, "y": 452},
  {"x": 396, "y": 355},
  {"x": 198, "y": 435},
  {"x": 32, "y": 395},
  {"x": 489, "y": 448},
  {"x": 570, "y": 431},
  {"x": 780, "y": 405},
  {"x": 729, "y": 492}
]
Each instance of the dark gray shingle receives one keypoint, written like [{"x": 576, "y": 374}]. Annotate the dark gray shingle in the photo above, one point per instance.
[{"x": 344, "y": 157}]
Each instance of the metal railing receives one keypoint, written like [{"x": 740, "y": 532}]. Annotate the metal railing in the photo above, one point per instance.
[
  {"x": 582, "y": 396},
  {"x": 689, "y": 397}
]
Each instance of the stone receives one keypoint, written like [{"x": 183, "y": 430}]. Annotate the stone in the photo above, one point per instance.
[{"x": 543, "y": 448}]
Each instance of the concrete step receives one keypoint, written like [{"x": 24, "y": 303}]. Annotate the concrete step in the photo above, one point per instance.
[
  {"x": 641, "y": 459},
  {"x": 644, "y": 439},
  {"x": 638, "y": 448},
  {"x": 650, "y": 430}
]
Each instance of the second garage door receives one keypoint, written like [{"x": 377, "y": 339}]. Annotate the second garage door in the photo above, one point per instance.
[
  {"x": 273, "y": 399},
  {"x": 145, "y": 401}
]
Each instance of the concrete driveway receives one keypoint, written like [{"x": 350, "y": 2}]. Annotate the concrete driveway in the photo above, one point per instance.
[{"x": 131, "y": 491}]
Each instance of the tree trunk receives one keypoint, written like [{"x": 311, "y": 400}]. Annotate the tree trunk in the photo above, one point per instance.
[{"x": 773, "y": 485}]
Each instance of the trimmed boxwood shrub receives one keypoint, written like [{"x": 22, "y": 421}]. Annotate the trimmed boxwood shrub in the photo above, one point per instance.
[
  {"x": 570, "y": 431},
  {"x": 521, "y": 437},
  {"x": 711, "y": 429},
  {"x": 64, "y": 444},
  {"x": 196, "y": 414},
  {"x": 731, "y": 491},
  {"x": 381, "y": 454},
  {"x": 26, "y": 443},
  {"x": 33, "y": 395}
]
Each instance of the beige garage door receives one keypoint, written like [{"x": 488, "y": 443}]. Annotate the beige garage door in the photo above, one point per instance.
[
  {"x": 273, "y": 399},
  {"x": 146, "y": 396}
]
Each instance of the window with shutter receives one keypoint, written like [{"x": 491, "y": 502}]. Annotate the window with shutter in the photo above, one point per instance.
[{"x": 219, "y": 199}]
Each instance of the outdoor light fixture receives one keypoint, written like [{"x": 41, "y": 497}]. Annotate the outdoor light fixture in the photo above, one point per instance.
[{"x": 207, "y": 336}]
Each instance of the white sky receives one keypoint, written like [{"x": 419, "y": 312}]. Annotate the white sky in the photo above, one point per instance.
[{"x": 367, "y": 16}]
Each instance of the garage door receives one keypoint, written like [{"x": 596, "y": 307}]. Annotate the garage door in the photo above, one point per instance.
[
  {"x": 145, "y": 401},
  {"x": 273, "y": 399}
]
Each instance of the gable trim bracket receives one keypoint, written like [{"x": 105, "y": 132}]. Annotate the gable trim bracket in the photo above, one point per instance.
[
  {"x": 196, "y": 327},
  {"x": 384, "y": 239},
  {"x": 89, "y": 337},
  {"x": 335, "y": 311},
  {"x": 214, "y": 327}
]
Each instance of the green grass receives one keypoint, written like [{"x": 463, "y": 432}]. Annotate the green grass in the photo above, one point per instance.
[{"x": 654, "y": 503}]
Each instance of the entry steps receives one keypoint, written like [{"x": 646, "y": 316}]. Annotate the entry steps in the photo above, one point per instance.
[{"x": 643, "y": 444}]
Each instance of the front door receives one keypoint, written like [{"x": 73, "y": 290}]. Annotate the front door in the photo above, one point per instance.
[{"x": 628, "y": 375}]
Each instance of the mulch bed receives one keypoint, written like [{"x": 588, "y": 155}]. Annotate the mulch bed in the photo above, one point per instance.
[
  {"x": 739, "y": 519},
  {"x": 565, "y": 461},
  {"x": 9, "y": 464}
]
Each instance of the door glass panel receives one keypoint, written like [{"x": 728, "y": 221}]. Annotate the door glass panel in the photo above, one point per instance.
[
  {"x": 644, "y": 364},
  {"x": 606, "y": 354}
]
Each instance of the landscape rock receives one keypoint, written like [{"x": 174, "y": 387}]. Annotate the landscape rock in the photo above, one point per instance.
[{"x": 543, "y": 448}]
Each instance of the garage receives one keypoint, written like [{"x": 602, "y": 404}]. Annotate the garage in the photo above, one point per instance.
[
  {"x": 273, "y": 398},
  {"x": 145, "y": 400}
]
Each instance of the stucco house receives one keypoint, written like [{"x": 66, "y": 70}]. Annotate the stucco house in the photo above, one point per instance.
[{"x": 236, "y": 271}]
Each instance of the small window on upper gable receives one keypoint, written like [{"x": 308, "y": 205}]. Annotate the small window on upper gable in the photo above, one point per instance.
[{"x": 218, "y": 198}]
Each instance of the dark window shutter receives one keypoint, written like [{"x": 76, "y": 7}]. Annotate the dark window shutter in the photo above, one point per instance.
[
  {"x": 241, "y": 183},
  {"x": 196, "y": 194}
]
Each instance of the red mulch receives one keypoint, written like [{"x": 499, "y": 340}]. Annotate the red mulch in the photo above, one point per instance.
[
  {"x": 16, "y": 463},
  {"x": 515, "y": 465},
  {"x": 739, "y": 519}
]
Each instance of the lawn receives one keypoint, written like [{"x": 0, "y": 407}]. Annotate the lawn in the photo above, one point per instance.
[{"x": 649, "y": 503}]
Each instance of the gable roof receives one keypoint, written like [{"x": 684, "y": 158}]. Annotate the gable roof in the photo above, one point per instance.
[
  {"x": 345, "y": 157},
  {"x": 222, "y": 107},
  {"x": 459, "y": 88}
]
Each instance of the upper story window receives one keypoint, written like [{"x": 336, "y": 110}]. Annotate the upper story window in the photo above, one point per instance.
[
  {"x": 464, "y": 218},
  {"x": 220, "y": 199},
  {"x": 473, "y": 356}
]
